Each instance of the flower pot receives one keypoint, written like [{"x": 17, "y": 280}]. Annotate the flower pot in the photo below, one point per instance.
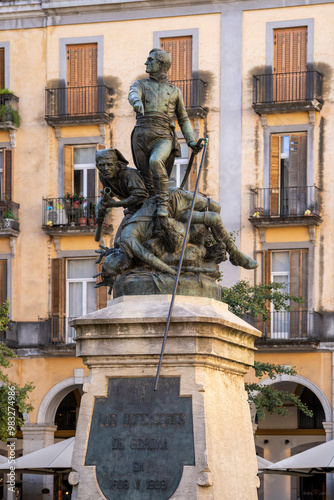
[
  {"x": 10, "y": 224},
  {"x": 83, "y": 221},
  {"x": 51, "y": 215}
]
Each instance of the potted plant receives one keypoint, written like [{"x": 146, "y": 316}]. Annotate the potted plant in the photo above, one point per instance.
[
  {"x": 9, "y": 221},
  {"x": 8, "y": 113},
  {"x": 312, "y": 209},
  {"x": 51, "y": 214},
  {"x": 82, "y": 210},
  {"x": 71, "y": 205}
]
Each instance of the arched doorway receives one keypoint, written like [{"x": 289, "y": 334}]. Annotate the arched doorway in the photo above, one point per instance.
[
  {"x": 281, "y": 437},
  {"x": 67, "y": 414}
]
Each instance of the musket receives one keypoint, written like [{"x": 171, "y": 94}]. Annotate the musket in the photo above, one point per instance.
[
  {"x": 180, "y": 265},
  {"x": 105, "y": 197},
  {"x": 191, "y": 161}
]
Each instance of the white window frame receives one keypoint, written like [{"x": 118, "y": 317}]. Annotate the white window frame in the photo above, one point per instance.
[
  {"x": 85, "y": 167},
  {"x": 69, "y": 330},
  {"x": 178, "y": 163},
  {"x": 284, "y": 334}
]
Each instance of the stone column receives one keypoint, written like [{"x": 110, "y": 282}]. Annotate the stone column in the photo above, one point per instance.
[
  {"x": 209, "y": 350},
  {"x": 35, "y": 437}
]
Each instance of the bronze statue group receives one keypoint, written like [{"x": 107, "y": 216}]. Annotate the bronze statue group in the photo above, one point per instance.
[{"x": 151, "y": 234}]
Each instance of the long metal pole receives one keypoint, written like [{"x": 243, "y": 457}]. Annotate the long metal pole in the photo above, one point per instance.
[{"x": 180, "y": 265}]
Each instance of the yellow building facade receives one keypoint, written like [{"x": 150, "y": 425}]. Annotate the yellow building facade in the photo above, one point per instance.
[{"x": 257, "y": 81}]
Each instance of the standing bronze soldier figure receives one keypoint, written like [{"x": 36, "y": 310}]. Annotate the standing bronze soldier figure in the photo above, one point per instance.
[{"x": 154, "y": 143}]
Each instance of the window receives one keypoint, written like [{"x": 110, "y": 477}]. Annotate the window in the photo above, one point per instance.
[
  {"x": 180, "y": 73},
  {"x": 290, "y": 48},
  {"x": 80, "y": 289},
  {"x": 280, "y": 273},
  {"x": 79, "y": 172},
  {"x": 6, "y": 174},
  {"x": 291, "y": 268},
  {"x": 73, "y": 294},
  {"x": 82, "y": 90},
  {"x": 179, "y": 168},
  {"x": 3, "y": 281},
  {"x": 84, "y": 171},
  {"x": 288, "y": 192}
]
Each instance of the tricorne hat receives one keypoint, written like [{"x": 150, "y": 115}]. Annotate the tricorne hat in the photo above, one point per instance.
[{"x": 110, "y": 153}]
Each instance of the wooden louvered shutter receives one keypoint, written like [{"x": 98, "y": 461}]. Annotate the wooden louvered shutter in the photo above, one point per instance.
[
  {"x": 274, "y": 174},
  {"x": 298, "y": 287},
  {"x": 297, "y": 160},
  {"x": 264, "y": 259},
  {"x": 58, "y": 293},
  {"x": 101, "y": 293},
  {"x": 297, "y": 174},
  {"x": 58, "y": 287},
  {"x": 2, "y": 68},
  {"x": 99, "y": 184},
  {"x": 180, "y": 50},
  {"x": 290, "y": 64},
  {"x": 68, "y": 169},
  {"x": 3, "y": 281},
  {"x": 82, "y": 89},
  {"x": 180, "y": 72},
  {"x": 8, "y": 173}
]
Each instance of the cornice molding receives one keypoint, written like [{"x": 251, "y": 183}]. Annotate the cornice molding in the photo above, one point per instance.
[{"x": 40, "y": 13}]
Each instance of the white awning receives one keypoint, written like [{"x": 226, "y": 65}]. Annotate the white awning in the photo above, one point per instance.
[
  {"x": 54, "y": 458},
  {"x": 319, "y": 459}
]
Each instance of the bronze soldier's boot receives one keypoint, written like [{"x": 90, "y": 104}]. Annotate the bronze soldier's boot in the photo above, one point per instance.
[
  {"x": 161, "y": 194},
  {"x": 237, "y": 258}
]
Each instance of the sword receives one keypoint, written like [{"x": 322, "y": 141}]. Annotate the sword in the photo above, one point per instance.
[
  {"x": 193, "y": 154},
  {"x": 180, "y": 265}
]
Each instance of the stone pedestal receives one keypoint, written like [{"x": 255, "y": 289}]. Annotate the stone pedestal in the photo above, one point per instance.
[{"x": 208, "y": 351}]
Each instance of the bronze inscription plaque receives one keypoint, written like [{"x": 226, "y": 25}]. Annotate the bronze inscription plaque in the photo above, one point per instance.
[{"x": 140, "y": 439}]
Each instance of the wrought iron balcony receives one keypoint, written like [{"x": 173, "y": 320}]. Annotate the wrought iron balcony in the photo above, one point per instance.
[
  {"x": 78, "y": 105},
  {"x": 291, "y": 205},
  {"x": 9, "y": 218},
  {"x": 61, "y": 331},
  {"x": 73, "y": 215},
  {"x": 285, "y": 325},
  {"x": 283, "y": 92},
  {"x": 193, "y": 91},
  {"x": 9, "y": 111}
]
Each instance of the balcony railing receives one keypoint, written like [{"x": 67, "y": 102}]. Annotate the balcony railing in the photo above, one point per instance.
[
  {"x": 9, "y": 216},
  {"x": 285, "y": 325},
  {"x": 61, "y": 332},
  {"x": 61, "y": 213},
  {"x": 288, "y": 88},
  {"x": 285, "y": 202},
  {"x": 77, "y": 103},
  {"x": 193, "y": 92}
]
